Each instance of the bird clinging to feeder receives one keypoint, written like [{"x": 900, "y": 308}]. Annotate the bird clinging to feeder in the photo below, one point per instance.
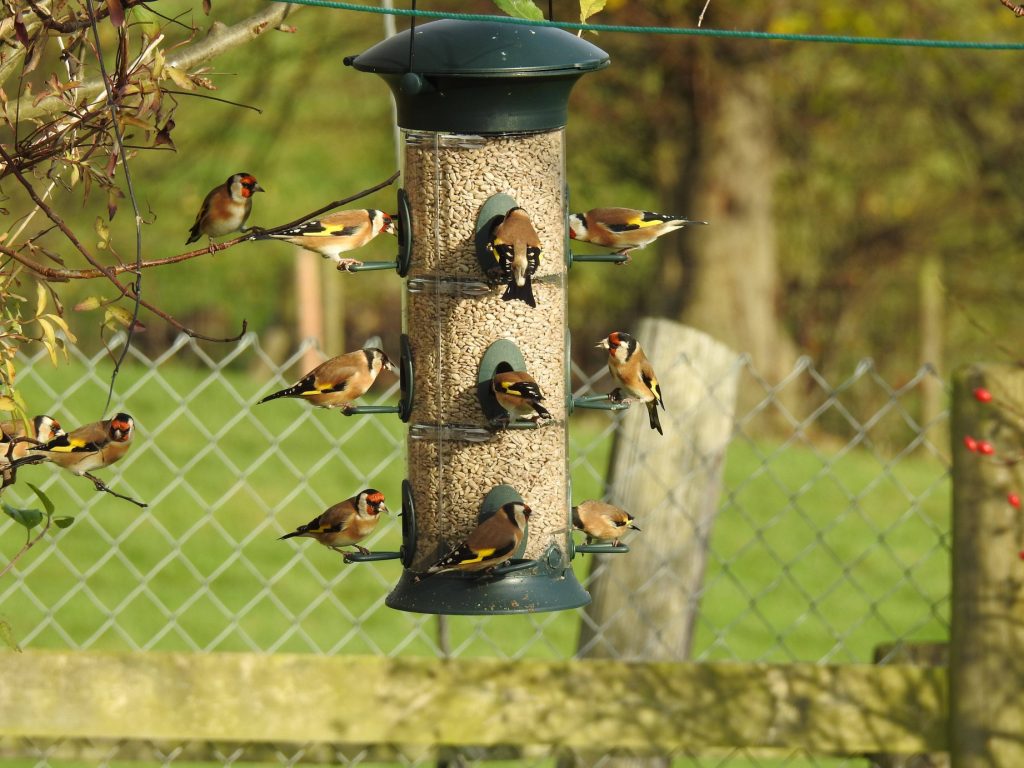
[
  {"x": 335, "y": 383},
  {"x": 225, "y": 208},
  {"x": 516, "y": 249},
  {"x": 624, "y": 229},
  {"x": 336, "y": 233},
  {"x": 518, "y": 394},
  {"x": 600, "y": 520},
  {"x": 345, "y": 523},
  {"x": 634, "y": 373},
  {"x": 492, "y": 542}
]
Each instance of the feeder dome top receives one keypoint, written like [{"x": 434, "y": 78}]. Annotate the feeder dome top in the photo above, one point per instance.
[{"x": 456, "y": 47}]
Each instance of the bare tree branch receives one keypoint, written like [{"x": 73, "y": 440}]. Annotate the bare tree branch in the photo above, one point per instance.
[
  {"x": 1018, "y": 10},
  {"x": 220, "y": 39},
  {"x": 63, "y": 275}
]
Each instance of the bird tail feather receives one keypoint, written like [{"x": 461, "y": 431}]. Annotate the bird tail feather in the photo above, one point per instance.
[
  {"x": 294, "y": 391},
  {"x": 652, "y": 411},
  {"x": 522, "y": 292}
]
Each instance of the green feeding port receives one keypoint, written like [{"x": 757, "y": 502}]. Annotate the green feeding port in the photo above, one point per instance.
[{"x": 481, "y": 76}]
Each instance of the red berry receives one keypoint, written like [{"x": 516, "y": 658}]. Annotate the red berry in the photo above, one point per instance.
[
  {"x": 982, "y": 395},
  {"x": 1021, "y": 554},
  {"x": 1014, "y": 500},
  {"x": 986, "y": 448},
  {"x": 970, "y": 444}
]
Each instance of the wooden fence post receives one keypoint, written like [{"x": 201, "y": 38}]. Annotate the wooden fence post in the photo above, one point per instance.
[
  {"x": 987, "y": 634},
  {"x": 645, "y": 602}
]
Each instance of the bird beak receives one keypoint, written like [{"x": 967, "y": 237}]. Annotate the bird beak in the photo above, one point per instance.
[
  {"x": 258, "y": 188},
  {"x": 634, "y": 526},
  {"x": 390, "y": 366},
  {"x": 384, "y": 508},
  {"x": 603, "y": 343}
]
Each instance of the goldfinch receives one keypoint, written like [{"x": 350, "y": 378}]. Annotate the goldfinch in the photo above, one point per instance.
[
  {"x": 225, "y": 208},
  {"x": 335, "y": 383},
  {"x": 518, "y": 393},
  {"x": 624, "y": 229},
  {"x": 516, "y": 250},
  {"x": 82, "y": 450},
  {"x": 634, "y": 373},
  {"x": 490, "y": 544},
  {"x": 15, "y": 440},
  {"x": 336, "y": 233},
  {"x": 345, "y": 523},
  {"x": 600, "y": 520}
]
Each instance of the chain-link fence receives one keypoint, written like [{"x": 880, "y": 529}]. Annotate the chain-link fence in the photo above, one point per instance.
[{"x": 831, "y": 538}]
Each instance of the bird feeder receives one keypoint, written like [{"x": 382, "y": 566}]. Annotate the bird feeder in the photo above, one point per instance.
[{"x": 482, "y": 107}]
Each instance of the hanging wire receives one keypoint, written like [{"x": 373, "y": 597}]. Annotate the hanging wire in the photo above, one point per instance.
[
  {"x": 691, "y": 31},
  {"x": 119, "y": 139}
]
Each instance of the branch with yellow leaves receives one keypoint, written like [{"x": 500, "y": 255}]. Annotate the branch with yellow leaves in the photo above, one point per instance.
[{"x": 220, "y": 39}]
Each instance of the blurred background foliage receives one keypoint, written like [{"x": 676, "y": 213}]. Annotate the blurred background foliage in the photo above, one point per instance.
[{"x": 844, "y": 184}]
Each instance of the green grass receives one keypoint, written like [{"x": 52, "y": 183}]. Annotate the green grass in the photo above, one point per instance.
[{"x": 816, "y": 555}]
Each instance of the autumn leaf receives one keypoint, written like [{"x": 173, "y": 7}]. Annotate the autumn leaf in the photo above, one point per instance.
[
  {"x": 207, "y": 7},
  {"x": 20, "y": 30},
  {"x": 179, "y": 78},
  {"x": 7, "y": 403},
  {"x": 103, "y": 233},
  {"x": 116, "y": 13},
  {"x": 520, "y": 9},
  {"x": 163, "y": 136},
  {"x": 86, "y": 305},
  {"x": 589, "y": 7}
]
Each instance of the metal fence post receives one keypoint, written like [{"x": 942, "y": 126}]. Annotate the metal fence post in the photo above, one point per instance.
[{"x": 987, "y": 634}]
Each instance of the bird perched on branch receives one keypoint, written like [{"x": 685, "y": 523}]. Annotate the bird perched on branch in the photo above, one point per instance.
[
  {"x": 491, "y": 543},
  {"x": 346, "y": 523},
  {"x": 516, "y": 249},
  {"x": 336, "y": 233},
  {"x": 82, "y": 450},
  {"x": 600, "y": 520},
  {"x": 225, "y": 208},
  {"x": 518, "y": 393},
  {"x": 624, "y": 229},
  {"x": 634, "y": 373},
  {"x": 335, "y": 383},
  {"x": 16, "y": 439}
]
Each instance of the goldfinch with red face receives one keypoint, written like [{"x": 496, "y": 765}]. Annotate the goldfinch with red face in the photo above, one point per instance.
[
  {"x": 225, "y": 208},
  {"x": 335, "y": 383},
  {"x": 517, "y": 252},
  {"x": 82, "y": 450},
  {"x": 624, "y": 229},
  {"x": 633, "y": 372},
  {"x": 491, "y": 543},
  {"x": 519, "y": 394},
  {"x": 337, "y": 233},
  {"x": 15, "y": 439},
  {"x": 346, "y": 523},
  {"x": 603, "y": 521}
]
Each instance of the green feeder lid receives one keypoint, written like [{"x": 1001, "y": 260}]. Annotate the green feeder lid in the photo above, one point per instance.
[{"x": 481, "y": 76}]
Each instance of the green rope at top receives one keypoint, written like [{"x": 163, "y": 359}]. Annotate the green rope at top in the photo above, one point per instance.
[{"x": 696, "y": 32}]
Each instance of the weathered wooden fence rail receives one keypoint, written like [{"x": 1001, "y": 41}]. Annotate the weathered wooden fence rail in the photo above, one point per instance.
[{"x": 637, "y": 708}]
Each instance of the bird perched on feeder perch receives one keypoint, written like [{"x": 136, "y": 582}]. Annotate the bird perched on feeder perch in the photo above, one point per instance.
[
  {"x": 225, "y": 208},
  {"x": 624, "y": 229},
  {"x": 336, "y": 233},
  {"x": 634, "y": 373},
  {"x": 516, "y": 249},
  {"x": 600, "y": 520},
  {"x": 16, "y": 439},
  {"x": 345, "y": 523},
  {"x": 335, "y": 383},
  {"x": 518, "y": 394},
  {"x": 492, "y": 542}
]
